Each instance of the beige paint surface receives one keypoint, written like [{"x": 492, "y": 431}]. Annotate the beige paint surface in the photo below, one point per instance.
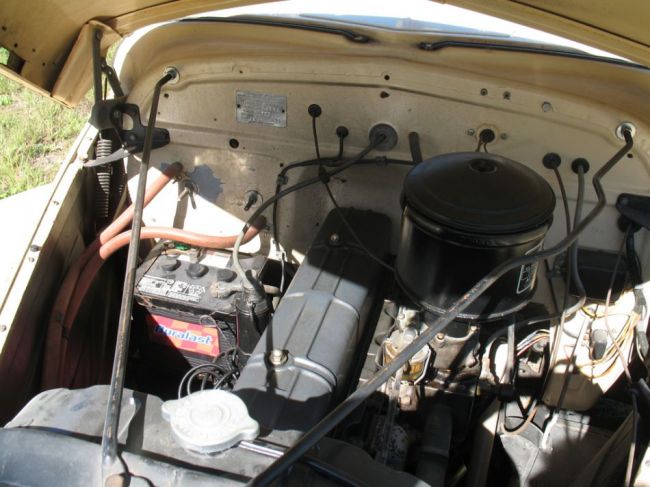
[{"x": 44, "y": 32}]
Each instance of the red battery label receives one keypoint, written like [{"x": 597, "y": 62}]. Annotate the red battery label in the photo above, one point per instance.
[{"x": 183, "y": 335}]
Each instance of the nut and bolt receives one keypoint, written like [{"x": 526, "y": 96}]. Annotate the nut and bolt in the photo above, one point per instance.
[
  {"x": 440, "y": 336},
  {"x": 251, "y": 198},
  {"x": 625, "y": 126},
  {"x": 173, "y": 72},
  {"x": 278, "y": 357}
]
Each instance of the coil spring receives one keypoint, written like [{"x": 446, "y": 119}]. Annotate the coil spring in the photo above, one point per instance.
[{"x": 103, "y": 148}]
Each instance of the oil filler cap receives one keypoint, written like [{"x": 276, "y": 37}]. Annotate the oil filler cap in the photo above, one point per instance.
[{"x": 210, "y": 421}]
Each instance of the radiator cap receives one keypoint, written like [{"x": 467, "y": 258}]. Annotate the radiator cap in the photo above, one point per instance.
[{"x": 210, "y": 421}]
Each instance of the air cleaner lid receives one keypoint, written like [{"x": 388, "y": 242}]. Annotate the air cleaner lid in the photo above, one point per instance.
[
  {"x": 480, "y": 193},
  {"x": 210, "y": 421}
]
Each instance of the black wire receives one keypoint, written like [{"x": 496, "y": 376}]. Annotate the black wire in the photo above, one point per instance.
[
  {"x": 313, "y": 128},
  {"x": 228, "y": 375},
  {"x": 414, "y": 147},
  {"x": 565, "y": 302},
  {"x": 575, "y": 274},
  {"x": 205, "y": 378},
  {"x": 571, "y": 267},
  {"x": 634, "y": 264},
  {"x": 281, "y": 179},
  {"x": 188, "y": 373},
  {"x": 300, "y": 185},
  {"x": 567, "y": 220},
  {"x": 340, "y": 212},
  {"x": 575, "y": 277},
  {"x": 565, "y": 200},
  {"x": 205, "y": 368}
]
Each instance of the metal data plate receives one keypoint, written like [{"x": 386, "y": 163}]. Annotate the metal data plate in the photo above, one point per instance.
[{"x": 264, "y": 108}]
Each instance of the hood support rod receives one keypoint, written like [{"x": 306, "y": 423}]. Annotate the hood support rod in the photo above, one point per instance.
[{"x": 111, "y": 423}]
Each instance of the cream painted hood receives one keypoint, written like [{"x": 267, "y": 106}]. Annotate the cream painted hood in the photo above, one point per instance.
[{"x": 50, "y": 39}]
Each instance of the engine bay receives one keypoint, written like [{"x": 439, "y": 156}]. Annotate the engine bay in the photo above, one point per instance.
[{"x": 404, "y": 266}]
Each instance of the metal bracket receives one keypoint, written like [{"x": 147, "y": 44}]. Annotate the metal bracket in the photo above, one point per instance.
[
  {"x": 109, "y": 114},
  {"x": 634, "y": 208},
  {"x": 112, "y": 78}
]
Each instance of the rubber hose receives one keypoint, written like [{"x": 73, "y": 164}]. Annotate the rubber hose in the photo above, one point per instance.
[{"x": 56, "y": 329}]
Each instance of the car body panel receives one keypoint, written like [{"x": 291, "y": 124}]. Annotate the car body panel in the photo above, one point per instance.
[{"x": 51, "y": 41}]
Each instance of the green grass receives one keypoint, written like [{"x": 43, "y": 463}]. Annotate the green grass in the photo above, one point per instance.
[{"x": 35, "y": 134}]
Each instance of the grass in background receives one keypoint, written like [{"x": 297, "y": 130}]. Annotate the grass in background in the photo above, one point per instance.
[{"x": 35, "y": 134}]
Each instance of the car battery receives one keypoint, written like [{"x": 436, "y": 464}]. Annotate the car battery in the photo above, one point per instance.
[{"x": 194, "y": 307}]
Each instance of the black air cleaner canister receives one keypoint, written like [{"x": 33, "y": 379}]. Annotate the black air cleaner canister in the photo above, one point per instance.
[{"x": 464, "y": 214}]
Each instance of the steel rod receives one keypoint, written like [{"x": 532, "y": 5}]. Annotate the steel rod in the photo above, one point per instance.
[{"x": 111, "y": 424}]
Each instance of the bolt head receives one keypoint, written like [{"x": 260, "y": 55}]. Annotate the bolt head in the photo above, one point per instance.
[
  {"x": 547, "y": 107},
  {"x": 335, "y": 239},
  {"x": 278, "y": 357}
]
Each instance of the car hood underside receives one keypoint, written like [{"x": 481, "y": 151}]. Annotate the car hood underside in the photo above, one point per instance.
[{"x": 50, "y": 40}]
